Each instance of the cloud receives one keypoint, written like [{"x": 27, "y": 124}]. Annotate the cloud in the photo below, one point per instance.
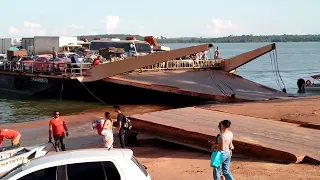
[
  {"x": 220, "y": 27},
  {"x": 28, "y": 29},
  {"x": 111, "y": 23},
  {"x": 74, "y": 26}
]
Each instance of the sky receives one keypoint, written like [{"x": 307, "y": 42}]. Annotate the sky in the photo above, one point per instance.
[{"x": 168, "y": 18}]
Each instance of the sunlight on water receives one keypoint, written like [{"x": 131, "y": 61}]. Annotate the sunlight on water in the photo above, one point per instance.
[{"x": 12, "y": 110}]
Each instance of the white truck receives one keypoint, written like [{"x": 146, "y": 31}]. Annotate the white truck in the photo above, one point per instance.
[
  {"x": 45, "y": 44},
  {"x": 5, "y": 44}
]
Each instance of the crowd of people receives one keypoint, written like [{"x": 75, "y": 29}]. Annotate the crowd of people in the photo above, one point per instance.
[{"x": 58, "y": 130}]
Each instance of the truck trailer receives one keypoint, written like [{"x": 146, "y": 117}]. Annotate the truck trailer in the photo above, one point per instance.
[
  {"x": 5, "y": 45},
  {"x": 46, "y": 44}
]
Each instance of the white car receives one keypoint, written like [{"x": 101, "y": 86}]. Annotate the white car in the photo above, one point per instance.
[{"x": 86, "y": 164}]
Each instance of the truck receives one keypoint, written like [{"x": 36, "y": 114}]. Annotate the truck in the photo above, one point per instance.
[
  {"x": 48, "y": 44},
  {"x": 28, "y": 44},
  {"x": 5, "y": 44}
]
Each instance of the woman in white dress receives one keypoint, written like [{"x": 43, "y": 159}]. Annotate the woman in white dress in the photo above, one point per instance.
[{"x": 107, "y": 131}]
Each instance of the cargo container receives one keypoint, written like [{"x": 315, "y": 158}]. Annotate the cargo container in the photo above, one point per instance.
[
  {"x": 46, "y": 44},
  {"x": 28, "y": 44},
  {"x": 5, "y": 44}
]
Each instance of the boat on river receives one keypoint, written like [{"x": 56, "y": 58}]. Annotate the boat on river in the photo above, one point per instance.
[
  {"x": 313, "y": 85},
  {"x": 12, "y": 156}
]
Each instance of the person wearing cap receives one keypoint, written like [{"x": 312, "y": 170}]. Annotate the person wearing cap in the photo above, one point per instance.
[
  {"x": 121, "y": 118},
  {"x": 13, "y": 135}
]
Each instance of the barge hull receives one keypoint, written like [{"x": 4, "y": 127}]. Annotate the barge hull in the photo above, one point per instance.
[{"x": 199, "y": 85}]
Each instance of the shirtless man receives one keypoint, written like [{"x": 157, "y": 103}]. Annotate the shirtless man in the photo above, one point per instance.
[{"x": 13, "y": 135}]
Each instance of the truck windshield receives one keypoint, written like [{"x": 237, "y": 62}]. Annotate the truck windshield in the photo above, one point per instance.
[
  {"x": 143, "y": 47},
  {"x": 100, "y": 44}
]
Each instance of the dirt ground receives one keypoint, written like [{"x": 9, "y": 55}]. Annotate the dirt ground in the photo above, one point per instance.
[
  {"x": 169, "y": 161},
  {"x": 166, "y": 161}
]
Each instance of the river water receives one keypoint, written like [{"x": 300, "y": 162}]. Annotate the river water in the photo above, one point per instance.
[{"x": 295, "y": 60}]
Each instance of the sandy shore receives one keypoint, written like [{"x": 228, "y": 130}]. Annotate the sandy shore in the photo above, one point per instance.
[{"x": 164, "y": 160}]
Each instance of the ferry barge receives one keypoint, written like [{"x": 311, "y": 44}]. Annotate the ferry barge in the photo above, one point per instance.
[{"x": 147, "y": 78}]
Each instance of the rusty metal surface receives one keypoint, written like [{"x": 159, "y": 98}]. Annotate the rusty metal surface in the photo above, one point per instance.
[
  {"x": 16, "y": 73},
  {"x": 239, "y": 60},
  {"x": 264, "y": 139},
  {"x": 206, "y": 84},
  {"x": 102, "y": 71}
]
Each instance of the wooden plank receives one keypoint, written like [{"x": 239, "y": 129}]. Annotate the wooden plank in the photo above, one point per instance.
[{"x": 266, "y": 139}]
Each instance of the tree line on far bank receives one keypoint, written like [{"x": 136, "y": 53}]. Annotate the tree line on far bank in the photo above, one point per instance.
[{"x": 228, "y": 39}]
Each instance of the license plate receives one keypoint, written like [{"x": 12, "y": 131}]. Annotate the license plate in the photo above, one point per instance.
[{"x": 27, "y": 67}]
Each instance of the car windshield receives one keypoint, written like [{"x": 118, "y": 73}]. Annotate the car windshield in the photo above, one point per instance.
[
  {"x": 54, "y": 59},
  {"x": 26, "y": 58},
  {"x": 62, "y": 56},
  {"x": 12, "y": 171},
  {"x": 141, "y": 167}
]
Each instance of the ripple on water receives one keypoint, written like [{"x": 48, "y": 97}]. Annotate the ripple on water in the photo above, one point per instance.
[{"x": 13, "y": 111}]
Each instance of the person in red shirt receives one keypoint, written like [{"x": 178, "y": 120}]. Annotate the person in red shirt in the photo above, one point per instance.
[
  {"x": 58, "y": 129},
  {"x": 216, "y": 53},
  {"x": 97, "y": 61},
  {"x": 13, "y": 135}
]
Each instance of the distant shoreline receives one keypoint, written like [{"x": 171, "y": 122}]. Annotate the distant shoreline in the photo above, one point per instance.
[{"x": 228, "y": 39}]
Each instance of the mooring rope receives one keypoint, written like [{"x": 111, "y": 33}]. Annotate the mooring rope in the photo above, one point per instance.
[
  {"x": 276, "y": 78},
  {"x": 61, "y": 88},
  {"x": 92, "y": 93}
]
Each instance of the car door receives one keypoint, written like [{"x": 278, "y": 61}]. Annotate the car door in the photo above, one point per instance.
[{"x": 94, "y": 170}]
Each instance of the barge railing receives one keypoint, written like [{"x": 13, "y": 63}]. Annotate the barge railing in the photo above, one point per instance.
[{"x": 82, "y": 69}]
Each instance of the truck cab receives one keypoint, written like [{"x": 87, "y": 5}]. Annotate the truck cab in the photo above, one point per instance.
[
  {"x": 70, "y": 48},
  {"x": 131, "y": 47}
]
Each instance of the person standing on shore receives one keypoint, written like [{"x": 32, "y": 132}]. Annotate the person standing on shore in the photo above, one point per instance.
[
  {"x": 107, "y": 131},
  {"x": 121, "y": 118},
  {"x": 58, "y": 129},
  {"x": 225, "y": 145},
  {"x": 13, "y": 135}
]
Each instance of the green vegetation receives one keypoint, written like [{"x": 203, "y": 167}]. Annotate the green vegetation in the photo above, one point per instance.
[{"x": 228, "y": 39}]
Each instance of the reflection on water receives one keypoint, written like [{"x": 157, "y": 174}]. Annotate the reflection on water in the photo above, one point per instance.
[{"x": 15, "y": 109}]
